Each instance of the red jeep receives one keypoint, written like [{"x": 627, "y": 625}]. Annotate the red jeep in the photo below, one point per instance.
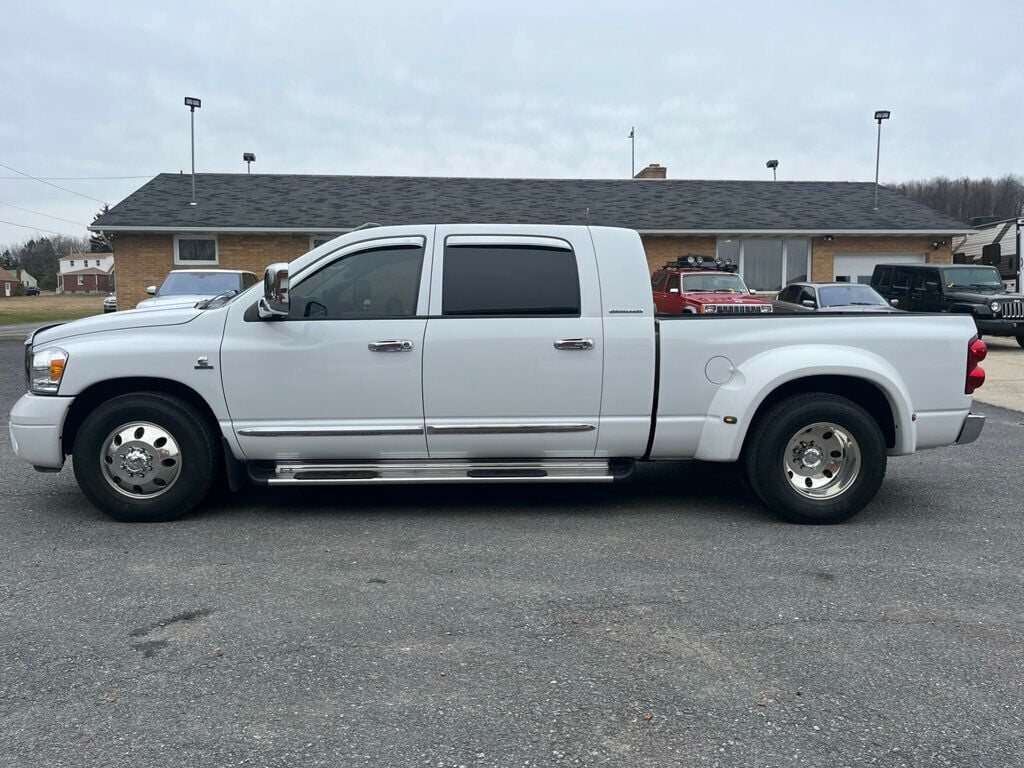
[{"x": 693, "y": 285}]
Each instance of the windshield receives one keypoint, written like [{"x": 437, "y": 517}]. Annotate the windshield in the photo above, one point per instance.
[
  {"x": 713, "y": 284},
  {"x": 975, "y": 277},
  {"x": 199, "y": 283},
  {"x": 853, "y": 294}
]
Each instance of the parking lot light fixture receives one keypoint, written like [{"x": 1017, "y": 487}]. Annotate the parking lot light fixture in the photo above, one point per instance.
[
  {"x": 773, "y": 164},
  {"x": 248, "y": 158},
  {"x": 193, "y": 104},
  {"x": 880, "y": 115}
]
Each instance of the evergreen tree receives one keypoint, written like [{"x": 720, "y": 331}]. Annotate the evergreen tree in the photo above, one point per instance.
[{"x": 100, "y": 242}]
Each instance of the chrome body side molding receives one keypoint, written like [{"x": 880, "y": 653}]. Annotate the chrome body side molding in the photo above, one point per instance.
[{"x": 507, "y": 429}]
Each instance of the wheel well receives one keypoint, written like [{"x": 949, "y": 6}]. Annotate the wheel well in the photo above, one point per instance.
[
  {"x": 862, "y": 392},
  {"x": 97, "y": 394}
]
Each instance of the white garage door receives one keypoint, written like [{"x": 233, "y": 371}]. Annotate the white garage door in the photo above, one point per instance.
[{"x": 857, "y": 267}]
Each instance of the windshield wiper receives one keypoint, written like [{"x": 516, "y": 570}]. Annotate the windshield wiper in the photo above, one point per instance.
[{"x": 209, "y": 302}]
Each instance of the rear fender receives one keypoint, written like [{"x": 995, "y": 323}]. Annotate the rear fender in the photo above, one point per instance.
[{"x": 756, "y": 378}]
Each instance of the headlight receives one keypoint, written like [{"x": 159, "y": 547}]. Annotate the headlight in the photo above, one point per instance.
[
  {"x": 994, "y": 306},
  {"x": 765, "y": 308},
  {"x": 709, "y": 309},
  {"x": 47, "y": 370}
]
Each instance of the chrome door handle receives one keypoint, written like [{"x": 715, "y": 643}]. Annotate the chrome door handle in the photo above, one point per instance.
[
  {"x": 394, "y": 345},
  {"x": 574, "y": 344}
]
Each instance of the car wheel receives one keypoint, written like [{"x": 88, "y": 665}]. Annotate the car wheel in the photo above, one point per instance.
[
  {"x": 816, "y": 458},
  {"x": 1020, "y": 341},
  {"x": 145, "y": 458}
]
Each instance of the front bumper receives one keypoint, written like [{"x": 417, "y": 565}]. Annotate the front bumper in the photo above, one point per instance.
[
  {"x": 36, "y": 424},
  {"x": 1000, "y": 327},
  {"x": 972, "y": 427}
]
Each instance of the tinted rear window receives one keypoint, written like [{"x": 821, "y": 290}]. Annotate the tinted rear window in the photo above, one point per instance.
[{"x": 509, "y": 280}]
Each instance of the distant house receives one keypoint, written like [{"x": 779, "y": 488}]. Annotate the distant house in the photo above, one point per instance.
[
  {"x": 9, "y": 283},
  {"x": 86, "y": 273},
  {"x": 26, "y": 279},
  {"x": 90, "y": 280}
]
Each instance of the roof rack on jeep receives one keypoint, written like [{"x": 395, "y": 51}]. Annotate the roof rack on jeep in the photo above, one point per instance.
[{"x": 696, "y": 261}]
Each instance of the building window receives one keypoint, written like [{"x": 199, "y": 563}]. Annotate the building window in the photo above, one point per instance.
[
  {"x": 195, "y": 249},
  {"x": 317, "y": 240},
  {"x": 72, "y": 262},
  {"x": 768, "y": 264},
  {"x": 81, "y": 279}
]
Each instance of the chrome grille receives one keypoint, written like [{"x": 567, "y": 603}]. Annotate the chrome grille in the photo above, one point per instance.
[
  {"x": 1013, "y": 308},
  {"x": 738, "y": 309}
]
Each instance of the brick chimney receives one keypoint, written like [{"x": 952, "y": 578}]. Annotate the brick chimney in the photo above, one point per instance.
[{"x": 653, "y": 171}]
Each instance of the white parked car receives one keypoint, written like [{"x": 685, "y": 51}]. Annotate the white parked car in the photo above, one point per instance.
[
  {"x": 484, "y": 354},
  {"x": 187, "y": 287},
  {"x": 110, "y": 303}
]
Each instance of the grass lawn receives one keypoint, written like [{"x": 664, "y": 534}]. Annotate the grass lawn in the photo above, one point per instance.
[{"x": 49, "y": 307}]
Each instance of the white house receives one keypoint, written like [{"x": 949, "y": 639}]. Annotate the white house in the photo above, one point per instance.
[
  {"x": 96, "y": 269},
  {"x": 26, "y": 279}
]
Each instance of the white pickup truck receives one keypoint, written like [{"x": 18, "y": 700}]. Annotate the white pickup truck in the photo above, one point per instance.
[{"x": 483, "y": 354}]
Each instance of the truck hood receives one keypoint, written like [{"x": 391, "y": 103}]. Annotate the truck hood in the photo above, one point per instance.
[
  {"x": 115, "y": 321},
  {"x": 982, "y": 297},
  {"x": 166, "y": 302}
]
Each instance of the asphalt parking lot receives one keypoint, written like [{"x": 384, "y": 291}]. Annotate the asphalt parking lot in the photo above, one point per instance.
[{"x": 667, "y": 622}]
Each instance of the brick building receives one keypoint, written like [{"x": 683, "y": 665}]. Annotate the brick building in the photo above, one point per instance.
[
  {"x": 777, "y": 232},
  {"x": 10, "y": 285},
  {"x": 88, "y": 280}
]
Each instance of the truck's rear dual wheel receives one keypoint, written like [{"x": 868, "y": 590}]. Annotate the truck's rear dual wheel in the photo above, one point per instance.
[
  {"x": 816, "y": 458},
  {"x": 1020, "y": 340},
  {"x": 145, "y": 458}
]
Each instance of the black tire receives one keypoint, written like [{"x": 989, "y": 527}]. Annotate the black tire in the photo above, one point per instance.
[
  {"x": 195, "y": 465},
  {"x": 1020, "y": 341},
  {"x": 775, "y": 448}
]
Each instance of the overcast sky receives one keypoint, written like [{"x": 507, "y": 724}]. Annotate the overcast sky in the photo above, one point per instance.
[{"x": 520, "y": 88}]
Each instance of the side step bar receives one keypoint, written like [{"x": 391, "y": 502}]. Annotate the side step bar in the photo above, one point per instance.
[{"x": 441, "y": 471}]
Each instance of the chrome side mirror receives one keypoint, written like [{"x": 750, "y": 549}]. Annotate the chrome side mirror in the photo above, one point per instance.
[
  {"x": 673, "y": 290},
  {"x": 151, "y": 290},
  {"x": 274, "y": 305},
  {"x": 809, "y": 303},
  {"x": 894, "y": 302}
]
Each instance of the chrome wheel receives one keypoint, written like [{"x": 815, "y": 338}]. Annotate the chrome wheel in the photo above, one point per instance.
[
  {"x": 821, "y": 461},
  {"x": 140, "y": 460}
]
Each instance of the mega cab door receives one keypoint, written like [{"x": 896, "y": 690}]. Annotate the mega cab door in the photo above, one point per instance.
[
  {"x": 513, "y": 352},
  {"x": 341, "y": 376}
]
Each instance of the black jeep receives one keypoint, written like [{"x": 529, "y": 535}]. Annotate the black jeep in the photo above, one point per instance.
[{"x": 976, "y": 290}]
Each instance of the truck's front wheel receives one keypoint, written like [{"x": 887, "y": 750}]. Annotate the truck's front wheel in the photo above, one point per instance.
[
  {"x": 145, "y": 458},
  {"x": 816, "y": 458}
]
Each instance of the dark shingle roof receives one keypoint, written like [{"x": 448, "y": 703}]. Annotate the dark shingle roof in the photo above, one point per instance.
[{"x": 308, "y": 202}]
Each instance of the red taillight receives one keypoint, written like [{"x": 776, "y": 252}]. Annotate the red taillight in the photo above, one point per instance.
[{"x": 976, "y": 352}]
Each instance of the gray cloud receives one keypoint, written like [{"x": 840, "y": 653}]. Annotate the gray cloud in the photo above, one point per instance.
[{"x": 523, "y": 89}]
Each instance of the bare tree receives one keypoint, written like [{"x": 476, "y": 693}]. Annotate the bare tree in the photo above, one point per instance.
[{"x": 965, "y": 198}]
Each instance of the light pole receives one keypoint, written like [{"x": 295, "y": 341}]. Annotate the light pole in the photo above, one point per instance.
[
  {"x": 248, "y": 158},
  {"x": 880, "y": 115},
  {"x": 773, "y": 164},
  {"x": 632, "y": 152},
  {"x": 193, "y": 104}
]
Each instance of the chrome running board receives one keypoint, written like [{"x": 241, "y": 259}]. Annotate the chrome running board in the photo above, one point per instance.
[{"x": 440, "y": 471}]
